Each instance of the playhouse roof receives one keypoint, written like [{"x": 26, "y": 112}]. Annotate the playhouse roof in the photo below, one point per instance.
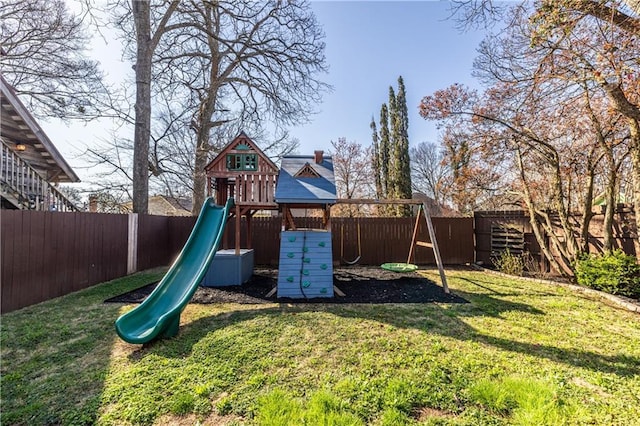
[
  {"x": 303, "y": 180},
  {"x": 241, "y": 143}
]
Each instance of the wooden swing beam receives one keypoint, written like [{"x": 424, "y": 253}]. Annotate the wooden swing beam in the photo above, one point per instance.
[
  {"x": 377, "y": 201},
  {"x": 432, "y": 234}
]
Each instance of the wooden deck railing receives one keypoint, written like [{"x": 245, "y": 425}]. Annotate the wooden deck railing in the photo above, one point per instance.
[
  {"x": 25, "y": 188},
  {"x": 256, "y": 189}
]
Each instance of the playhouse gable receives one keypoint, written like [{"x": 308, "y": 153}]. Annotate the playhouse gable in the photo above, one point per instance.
[
  {"x": 242, "y": 156},
  {"x": 307, "y": 171}
]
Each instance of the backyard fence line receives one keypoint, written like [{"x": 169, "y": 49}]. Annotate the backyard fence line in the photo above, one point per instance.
[
  {"x": 49, "y": 254},
  {"x": 489, "y": 229}
]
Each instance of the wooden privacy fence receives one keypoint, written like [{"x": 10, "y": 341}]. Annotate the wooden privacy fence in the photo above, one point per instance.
[
  {"x": 498, "y": 230},
  {"x": 381, "y": 239},
  {"x": 49, "y": 254}
]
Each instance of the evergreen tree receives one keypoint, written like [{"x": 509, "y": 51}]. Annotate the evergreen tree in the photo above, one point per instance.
[
  {"x": 391, "y": 163},
  {"x": 384, "y": 151},
  {"x": 403, "y": 180},
  {"x": 375, "y": 158},
  {"x": 393, "y": 145}
]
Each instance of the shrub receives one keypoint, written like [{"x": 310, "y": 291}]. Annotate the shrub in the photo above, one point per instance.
[
  {"x": 532, "y": 266},
  {"x": 615, "y": 273},
  {"x": 509, "y": 263}
]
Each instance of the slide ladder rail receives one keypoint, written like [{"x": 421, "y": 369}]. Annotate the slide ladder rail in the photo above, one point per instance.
[{"x": 159, "y": 314}]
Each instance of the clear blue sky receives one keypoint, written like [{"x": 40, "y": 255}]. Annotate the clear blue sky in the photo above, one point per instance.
[{"x": 368, "y": 45}]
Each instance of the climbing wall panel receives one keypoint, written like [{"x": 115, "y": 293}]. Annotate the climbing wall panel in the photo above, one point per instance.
[{"x": 306, "y": 268}]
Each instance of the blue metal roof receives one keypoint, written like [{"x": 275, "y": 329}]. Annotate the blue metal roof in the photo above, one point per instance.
[{"x": 292, "y": 189}]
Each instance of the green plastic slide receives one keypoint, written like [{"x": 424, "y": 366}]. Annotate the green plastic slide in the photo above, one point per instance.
[{"x": 159, "y": 315}]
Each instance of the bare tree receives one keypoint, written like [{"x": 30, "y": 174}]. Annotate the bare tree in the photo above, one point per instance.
[
  {"x": 173, "y": 145},
  {"x": 43, "y": 48},
  {"x": 142, "y": 24},
  {"x": 238, "y": 62},
  {"x": 547, "y": 116},
  {"x": 612, "y": 65},
  {"x": 352, "y": 170},
  {"x": 625, "y": 14},
  {"x": 429, "y": 171},
  {"x": 147, "y": 40}
]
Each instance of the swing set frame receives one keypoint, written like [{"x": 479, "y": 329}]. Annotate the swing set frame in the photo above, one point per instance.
[{"x": 433, "y": 244}]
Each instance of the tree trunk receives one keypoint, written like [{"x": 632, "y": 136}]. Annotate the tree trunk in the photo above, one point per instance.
[
  {"x": 587, "y": 212},
  {"x": 632, "y": 112},
  {"x": 533, "y": 220},
  {"x": 634, "y": 128},
  {"x": 199, "y": 178},
  {"x": 569, "y": 249},
  {"x": 610, "y": 199},
  {"x": 142, "y": 130}
]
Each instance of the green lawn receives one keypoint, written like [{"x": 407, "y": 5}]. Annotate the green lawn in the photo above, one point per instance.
[{"x": 519, "y": 353}]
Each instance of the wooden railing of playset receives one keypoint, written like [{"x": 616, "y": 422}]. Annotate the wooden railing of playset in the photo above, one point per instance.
[{"x": 255, "y": 190}]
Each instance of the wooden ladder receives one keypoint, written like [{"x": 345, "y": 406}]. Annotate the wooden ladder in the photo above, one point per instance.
[{"x": 433, "y": 244}]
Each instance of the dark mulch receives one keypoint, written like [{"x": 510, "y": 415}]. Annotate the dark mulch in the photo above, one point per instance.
[{"x": 360, "y": 284}]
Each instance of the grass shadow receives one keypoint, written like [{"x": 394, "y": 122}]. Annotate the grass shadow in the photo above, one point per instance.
[
  {"x": 444, "y": 320},
  {"x": 57, "y": 354}
]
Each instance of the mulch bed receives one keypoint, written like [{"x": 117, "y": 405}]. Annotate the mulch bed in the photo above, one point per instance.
[{"x": 360, "y": 284}]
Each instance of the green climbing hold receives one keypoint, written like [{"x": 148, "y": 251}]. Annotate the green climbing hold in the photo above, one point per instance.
[
  {"x": 306, "y": 260},
  {"x": 290, "y": 279},
  {"x": 305, "y": 249},
  {"x": 290, "y": 255},
  {"x": 323, "y": 290},
  {"x": 323, "y": 266},
  {"x": 306, "y": 284},
  {"x": 305, "y": 272},
  {"x": 322, "y": 244},
  {"x": 292, "y": 239}
]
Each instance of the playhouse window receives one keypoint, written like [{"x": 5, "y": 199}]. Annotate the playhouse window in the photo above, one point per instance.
[{"x": 247, "y": 162}]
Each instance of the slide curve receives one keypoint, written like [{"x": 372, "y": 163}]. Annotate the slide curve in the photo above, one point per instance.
[{"x": 159, "y": 314}]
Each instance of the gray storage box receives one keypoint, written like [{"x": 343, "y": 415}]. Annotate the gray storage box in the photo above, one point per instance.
[{"x": 229, "y": 269}]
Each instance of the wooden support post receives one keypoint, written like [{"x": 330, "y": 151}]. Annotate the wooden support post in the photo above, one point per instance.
[
  {"x": 436, "y": 251},
  {"x": 289, "y": 219},
  {"x": 132, "y": 244},
  {"x": 283, "y": 216},
  {"x": 249, "y": 242},
  {"x": 415, "y": 234},
  {"x": 238, "y": 222},
  {"x": 326, "y": 217}
]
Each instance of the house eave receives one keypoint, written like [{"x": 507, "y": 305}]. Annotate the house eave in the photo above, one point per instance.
[{"x": 49, "y": 157}]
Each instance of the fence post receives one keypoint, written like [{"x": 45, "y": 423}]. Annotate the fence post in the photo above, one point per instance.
[{"x": 132, "y": 244}]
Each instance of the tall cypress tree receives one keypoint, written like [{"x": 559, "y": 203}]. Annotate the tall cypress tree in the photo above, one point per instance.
[
  {"x": 384, "y": 150},
  {"x": 391, "y": 163},
  {"x": 393, "y": 145},
  {"x": 375, "y": 160},
  {"x": 404, "y": 189}
]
